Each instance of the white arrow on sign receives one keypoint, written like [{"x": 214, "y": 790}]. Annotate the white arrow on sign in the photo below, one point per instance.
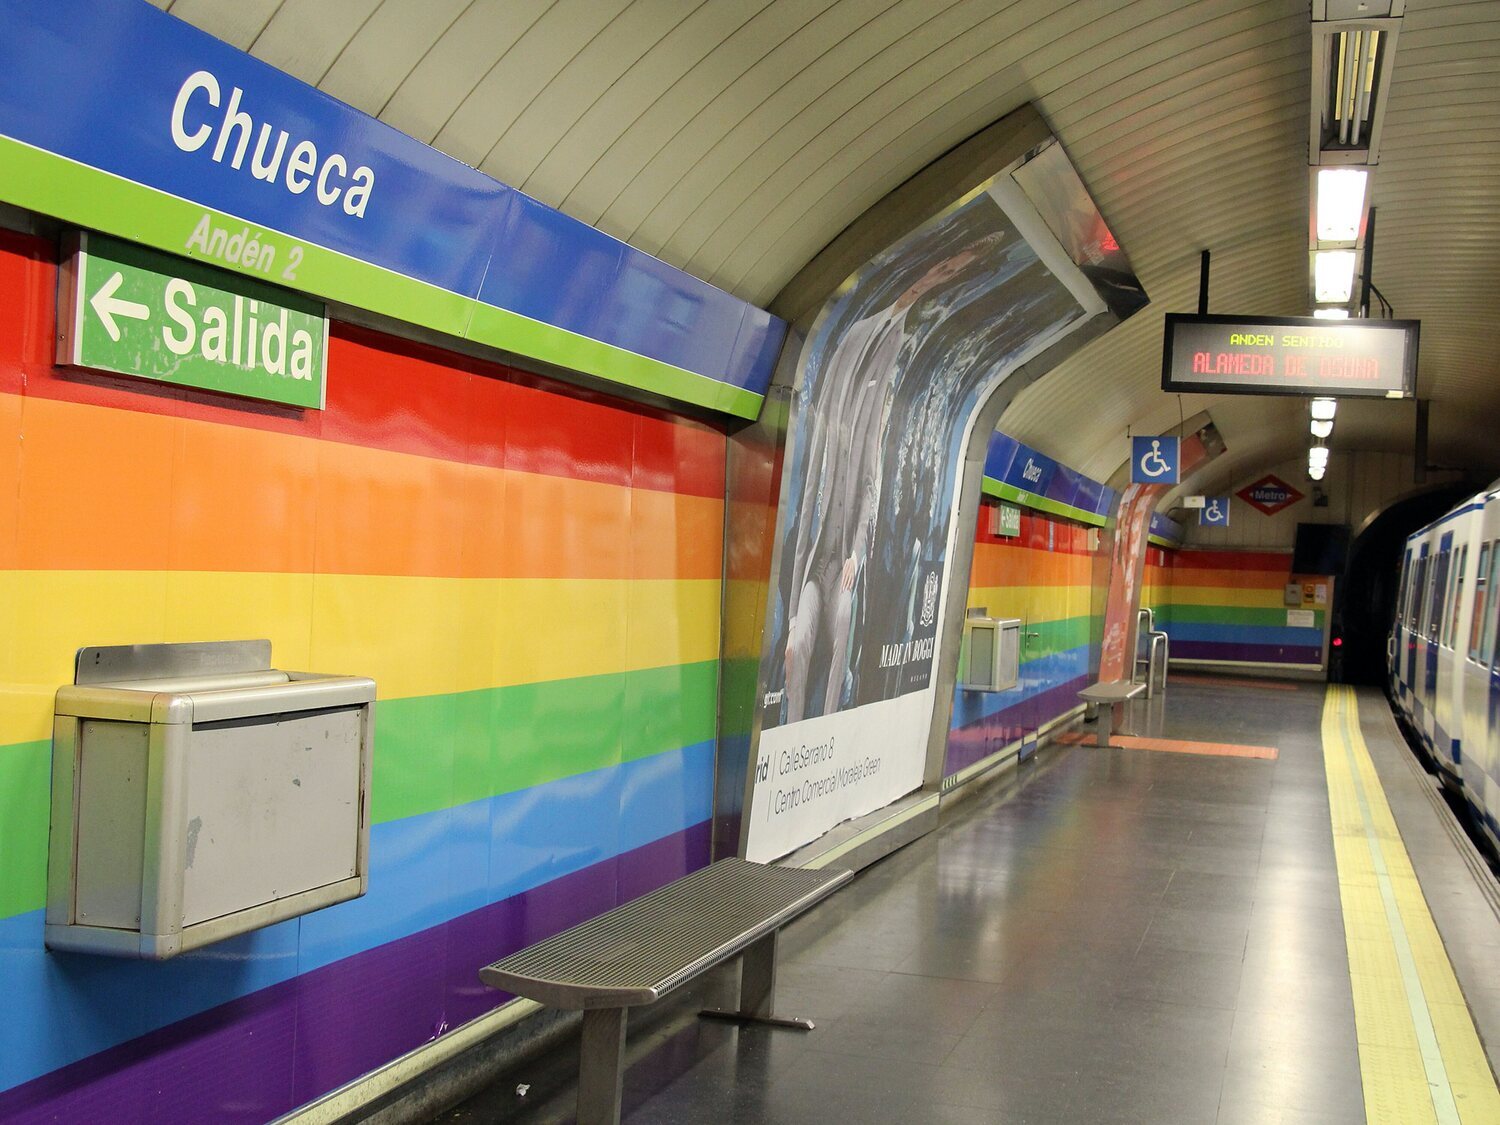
[{"x": 108, "y": 306}]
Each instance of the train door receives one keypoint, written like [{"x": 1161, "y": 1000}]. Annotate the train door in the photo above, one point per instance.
[
  {"x": 1448, "y": 720},
  {"x": 1397, "y": 638},
  {"x": 1434, "y": 625},
  {"x": 1418, "y": 623},
  {"x": 1476, "y": 717}
]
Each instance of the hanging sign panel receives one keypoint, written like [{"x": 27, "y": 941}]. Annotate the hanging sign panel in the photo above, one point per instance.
[
  {"x": 134, "y": 311},
  {"x": 1214, "y": 512},
  {"x": 1257, "y": 355},
  {"x": 1154, "y": 460}
]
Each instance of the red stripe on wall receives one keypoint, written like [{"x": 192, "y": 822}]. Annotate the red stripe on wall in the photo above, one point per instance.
[
  {"x": 385, "y": 393},
  {"x": 1233, "y": 560}
]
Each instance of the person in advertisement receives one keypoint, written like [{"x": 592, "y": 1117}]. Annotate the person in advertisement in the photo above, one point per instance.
[
  {"x": 845, "y": 459},
  {"x": 894, "y": 364}
]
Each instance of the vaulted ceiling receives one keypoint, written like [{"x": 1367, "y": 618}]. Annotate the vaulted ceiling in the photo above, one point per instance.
[{"x": 735, "y": 138}]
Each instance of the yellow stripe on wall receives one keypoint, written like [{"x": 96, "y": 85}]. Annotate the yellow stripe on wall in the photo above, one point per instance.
[
  {"x": 1040, "y": 603},
  {"x": 1241, "y": 597},
  {"x": 414, "y": 636}
]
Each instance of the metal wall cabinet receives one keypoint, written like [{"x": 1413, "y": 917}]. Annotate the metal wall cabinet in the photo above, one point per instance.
[
  {"x": 198, "y": 793},
  {"x": 990, "y": 658}
]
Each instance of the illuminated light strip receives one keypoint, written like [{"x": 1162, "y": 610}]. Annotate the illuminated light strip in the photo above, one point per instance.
[{"x": 1420, "y": 1056}]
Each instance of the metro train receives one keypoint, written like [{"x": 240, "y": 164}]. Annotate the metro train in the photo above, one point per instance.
[{"x": 1443, "y": 665}]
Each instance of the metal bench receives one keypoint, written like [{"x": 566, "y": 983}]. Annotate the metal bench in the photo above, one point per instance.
[
  {"x": 1116, "y": 693},
  {"x": 638, "y": 952}
]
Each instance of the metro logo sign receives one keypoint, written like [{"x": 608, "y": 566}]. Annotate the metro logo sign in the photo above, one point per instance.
[{"x": 1270, "y": 494}]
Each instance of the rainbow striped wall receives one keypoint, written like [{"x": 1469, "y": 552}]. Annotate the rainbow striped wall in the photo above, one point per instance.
[
  {"x": 1044, "y": 577},
  {"x": 530, "y": 573},
  {"x": 1229, "y": 606}
]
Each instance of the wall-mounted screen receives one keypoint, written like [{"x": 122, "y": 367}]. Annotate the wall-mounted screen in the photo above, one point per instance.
[{"x": 1258, "y": 355}]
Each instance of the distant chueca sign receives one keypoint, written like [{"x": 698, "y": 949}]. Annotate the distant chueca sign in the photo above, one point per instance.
[{"x": 1289, "y": 356}]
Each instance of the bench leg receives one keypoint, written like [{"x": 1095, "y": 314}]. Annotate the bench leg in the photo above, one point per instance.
[
  {"x": 601, "y": 1066},
  {"x": 758, "y": 989}
]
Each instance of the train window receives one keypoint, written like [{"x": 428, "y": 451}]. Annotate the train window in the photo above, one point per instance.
[
  {"x": 1418, "y": 600},
  {"x": 1433, "y": 621},
  {"x": 1489, "y": 625},
  {"x": 1456, "y": 596},
  {"x": 1403, "y": 591},
  {"x": 1481, "y": 591}
]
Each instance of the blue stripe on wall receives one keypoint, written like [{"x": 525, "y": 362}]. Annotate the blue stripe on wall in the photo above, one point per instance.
[
  {"x": 1245, "y": 634},
  {"x": 62, "y": 1007},
  {"x": 1037, "y": 676}
]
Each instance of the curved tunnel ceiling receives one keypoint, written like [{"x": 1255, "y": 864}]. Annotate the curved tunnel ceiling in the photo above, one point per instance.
[{"x": 734, "y": 139}]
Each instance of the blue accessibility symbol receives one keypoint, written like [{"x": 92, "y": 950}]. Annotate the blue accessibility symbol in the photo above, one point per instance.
[
  {"x": 1154, "y": 460},
  {"x": 1215, "y": 512}
]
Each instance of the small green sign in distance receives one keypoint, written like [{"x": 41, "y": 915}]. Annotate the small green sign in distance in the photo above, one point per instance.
[
  {"x": 1010, "y": 521},
  {"x": 133, "y": 311}
]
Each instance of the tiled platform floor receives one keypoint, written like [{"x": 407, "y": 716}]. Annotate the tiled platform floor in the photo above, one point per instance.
[{"x": 1112, "y": 936}]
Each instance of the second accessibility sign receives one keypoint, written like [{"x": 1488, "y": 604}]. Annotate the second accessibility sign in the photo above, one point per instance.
[{"x": 133, "y": 311}]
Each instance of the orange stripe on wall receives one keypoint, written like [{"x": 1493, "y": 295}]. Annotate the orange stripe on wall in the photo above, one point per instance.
[
  {"x": 1033, "y": 567},
  {"x": 1248, "y": 579},
  {"x": 105, "y": 489}
]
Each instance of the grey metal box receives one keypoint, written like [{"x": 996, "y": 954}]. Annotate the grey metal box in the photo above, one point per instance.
[{"x": 198, "y": 793}]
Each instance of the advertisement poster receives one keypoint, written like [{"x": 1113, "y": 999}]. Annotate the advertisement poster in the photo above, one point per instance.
[{"x": 893, "y": 370}]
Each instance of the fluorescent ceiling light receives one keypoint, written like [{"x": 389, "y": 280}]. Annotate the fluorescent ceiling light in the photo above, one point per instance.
[
  {"x": 1331, "y": 314},
  {"x": 1321, "y": 429},
  {"x": 1341, "y": 203},
  {"x": 1323, "y": 409},
  {"x": 1333, "y": 276},
  {"x": 1316, "y": 471},
  {"x": 1317, "y": 456}
]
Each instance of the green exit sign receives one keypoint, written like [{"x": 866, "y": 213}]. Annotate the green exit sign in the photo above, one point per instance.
[
  {"x": 133, "y": 311},
  {"x": 1009, "y": 523}
]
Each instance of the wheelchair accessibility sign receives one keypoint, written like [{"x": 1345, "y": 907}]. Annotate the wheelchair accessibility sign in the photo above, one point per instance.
[
  {"x": 1215, "y": 512},
  {"x": 1153, "y": 460}
]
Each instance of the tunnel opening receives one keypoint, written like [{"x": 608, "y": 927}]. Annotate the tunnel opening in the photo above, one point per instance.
[{"x": 1365, "y": 601}]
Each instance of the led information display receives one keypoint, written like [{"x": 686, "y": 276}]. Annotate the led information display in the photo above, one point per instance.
[{"x": 1257, "y": 355}]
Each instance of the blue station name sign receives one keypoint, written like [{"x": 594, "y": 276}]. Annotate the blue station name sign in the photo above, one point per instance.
[
  {"x": 1252, "y": 355},
  {"x": 120, "y": 118}
]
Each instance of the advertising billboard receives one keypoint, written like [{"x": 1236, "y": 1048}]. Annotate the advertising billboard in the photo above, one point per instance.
[{"x": 889, "y": 380}]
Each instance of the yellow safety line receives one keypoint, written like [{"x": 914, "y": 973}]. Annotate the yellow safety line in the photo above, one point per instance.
[{"x": 1420, "y": 1057}]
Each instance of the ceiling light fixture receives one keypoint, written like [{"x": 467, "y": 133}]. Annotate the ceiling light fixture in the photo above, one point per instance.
[
  {"x": 1316, "y": 472},
  {"x": 1335, "y": 313},
  {"x": 1353, "y": 49},
  {"x": 1323, "y": 409},
  {"x": 1341, "y": 203},
  {"x": 1317, "y": 456},
  {"x": 1321, "y": 429},
  {"x": 1333, "y": 275}
]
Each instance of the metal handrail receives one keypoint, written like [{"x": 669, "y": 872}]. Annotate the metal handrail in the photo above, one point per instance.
[{"x": 1156, "y": 664}]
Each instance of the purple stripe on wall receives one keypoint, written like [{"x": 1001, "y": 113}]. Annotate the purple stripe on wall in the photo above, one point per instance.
[
  {"x": 266, "y": 1053},
  {"x": 991, "y": 734},
  {"x": 1247, "y": 654}
]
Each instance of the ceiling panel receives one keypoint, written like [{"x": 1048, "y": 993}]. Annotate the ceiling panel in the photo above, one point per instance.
[{"x": 736, "y": 138}]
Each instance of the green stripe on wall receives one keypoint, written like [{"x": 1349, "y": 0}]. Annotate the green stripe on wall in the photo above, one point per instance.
[
  {"x": 435, "y": 752},
  {"x": 998, "y": 488},
  {"x": 25, "y": 809},
  {"x": 1186, "y": 614},
  {"x": 1055, "y": 636},
  {"x": 77, "y": 193}
]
